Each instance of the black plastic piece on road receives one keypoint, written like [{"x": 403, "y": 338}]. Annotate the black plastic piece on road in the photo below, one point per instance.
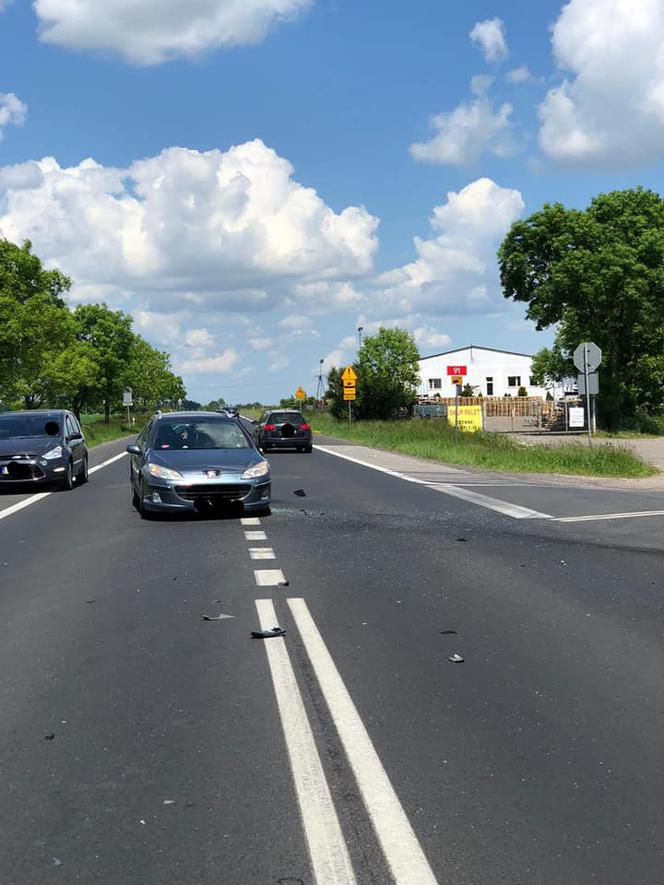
[
  {"x": 448, "y": 633},
  {"x": 267, "y": 634},
  {"x": 300, "y": 493}
]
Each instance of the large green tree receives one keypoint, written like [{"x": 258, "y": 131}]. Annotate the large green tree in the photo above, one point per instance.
[
  {"x": 109, "y": 333},
  {"x": 387, "y": 376},
  {"x": 150, "y": 376},
  {"x": 597, "y": 274}
]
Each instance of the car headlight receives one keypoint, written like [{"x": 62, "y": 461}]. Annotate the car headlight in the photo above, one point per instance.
[
  {"x": 163, "y": 472},
  {"x": 52, "y": 454},
  {"x": 260, "y": 469}
]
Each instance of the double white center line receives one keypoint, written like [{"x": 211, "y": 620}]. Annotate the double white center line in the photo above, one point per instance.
[{"x": 329, "y": 855}]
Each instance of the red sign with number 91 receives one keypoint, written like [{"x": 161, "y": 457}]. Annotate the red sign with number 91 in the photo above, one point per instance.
[{"x": 456, "y": 370}]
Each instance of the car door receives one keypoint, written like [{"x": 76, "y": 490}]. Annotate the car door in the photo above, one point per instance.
[
  {"x": 259, "y": 429},
  {"x": 74, "y": 440},
  {"x": 137, "y": 461}
]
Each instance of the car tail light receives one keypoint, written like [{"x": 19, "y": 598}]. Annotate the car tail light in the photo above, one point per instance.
[
  {"x": 270, "y": 427},
  {"x": 305, "y": 427}
]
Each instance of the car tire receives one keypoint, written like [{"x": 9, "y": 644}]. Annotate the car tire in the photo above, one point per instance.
[
  {"x": 135, "y": 498},
  {"x": 308, "y": 449},
  {"x": 67, "y": 481},
  {"x": 82, "y": 477}
]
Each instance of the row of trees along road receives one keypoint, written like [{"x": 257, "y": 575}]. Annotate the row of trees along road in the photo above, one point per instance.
[
  {"x": 387, "y": 377},
  {"x": 597, "y": 275},
  {"x": 51, "y": 356}
]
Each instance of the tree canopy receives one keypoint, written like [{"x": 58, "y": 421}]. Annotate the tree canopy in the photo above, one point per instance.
[
  {"x": 387, "y": 377},
  {"x": 51, "y": 356},
  {"x": 597, "y": 274}
]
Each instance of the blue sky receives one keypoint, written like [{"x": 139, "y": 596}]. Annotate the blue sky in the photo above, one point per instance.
[{"x": 249, "y": 270}]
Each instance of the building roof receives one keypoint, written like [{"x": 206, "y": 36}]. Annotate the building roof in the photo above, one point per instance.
[{"x": 475, "y": 347}]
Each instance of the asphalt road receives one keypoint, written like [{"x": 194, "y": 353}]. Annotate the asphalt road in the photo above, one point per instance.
[{"x": 141, "y": 745}]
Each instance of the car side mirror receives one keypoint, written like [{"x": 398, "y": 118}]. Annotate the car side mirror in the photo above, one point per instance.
[
  {"x": 74, "y": 436},
  {"x": 134, "y": 450}
]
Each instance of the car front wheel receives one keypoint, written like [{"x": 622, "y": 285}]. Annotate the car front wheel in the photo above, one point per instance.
[
  {"x": 67, "y": 481},
  {"x": 83, "y": 472}
]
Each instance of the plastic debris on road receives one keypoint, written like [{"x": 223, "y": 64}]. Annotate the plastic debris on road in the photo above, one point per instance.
[
  {"x": 49, "y": 737},
  {"x": 300, "y": 493},
  {"x": 57, "y": 862},
  {"x": 448, "y": 633},
  {"x": 267, "y": 634},
  {"x": 217, "y": 618},
  {"x": 283, "y": 584},
  {"x": 455, "y": 659}
]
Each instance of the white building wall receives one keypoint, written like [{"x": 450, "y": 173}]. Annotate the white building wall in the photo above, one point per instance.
[{"x": 491, "y": 372}]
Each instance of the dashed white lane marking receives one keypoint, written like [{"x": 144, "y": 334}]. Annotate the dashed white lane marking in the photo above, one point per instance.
[
  {"x": 21, "y": 505},
  {"x": 629, "y": 515},
  {"x": 250, "y": 520},
  {"x": 504, "y": 507},
  {"x": 262, "y": 553},
  {"x": 401, "y": 848},
  {"x": 255, "y": 536},
  {"x": 327, "y": 849},
  {"x": 269, "y": 577}
]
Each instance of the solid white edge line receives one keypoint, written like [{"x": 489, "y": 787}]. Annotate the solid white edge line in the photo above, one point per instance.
[
  {"x": 399, "y": 843},
  {"x": 14, "y": 508},
  {"x": 328, "y": 852},
  {"x": 106, "y": 463},
  {"x": 504, "y": 507},
  {"x": 21, "y": 505},
  {"x": 638, "y": 514}
]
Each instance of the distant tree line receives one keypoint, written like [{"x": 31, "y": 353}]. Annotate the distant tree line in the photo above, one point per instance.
[{"x": 83, "y": 359}]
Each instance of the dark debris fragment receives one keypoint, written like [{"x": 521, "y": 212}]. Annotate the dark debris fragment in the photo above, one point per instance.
[{"x": 267, "y": 634}]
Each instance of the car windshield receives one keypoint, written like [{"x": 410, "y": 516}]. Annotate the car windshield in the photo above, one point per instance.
[
  {"x": 207, "y": 433},
  {"x": 286, "y": 418},
  {"x": 21, "y": 426}
]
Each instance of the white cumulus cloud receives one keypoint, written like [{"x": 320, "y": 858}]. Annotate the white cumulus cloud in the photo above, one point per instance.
[
  {"x": 519, "y": 75},
  {"x": 456, "y": 270},
  {"x": 464, "y": 134},
  {"x": 610, "y": 110},
  {"x": 13, "y": 112},
  {"x": 489, "y": 37},
  {"x": 222, "y": 362},
  {"x": 147, "y": 32},
  {"x": 218, "y": 230}
]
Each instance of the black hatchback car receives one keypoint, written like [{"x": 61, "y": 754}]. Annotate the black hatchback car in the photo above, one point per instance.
[
  {"x": 283, "y": 429},
  {"x": 42, "y": 446}
]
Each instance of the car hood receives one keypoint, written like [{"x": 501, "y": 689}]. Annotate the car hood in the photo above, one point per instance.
[
  {"x": 29, "y": 445},
  {"x": 229, "y": 460}
]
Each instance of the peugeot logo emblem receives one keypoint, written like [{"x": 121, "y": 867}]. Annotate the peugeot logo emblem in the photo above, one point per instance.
[{"x": 211, "y": 473}]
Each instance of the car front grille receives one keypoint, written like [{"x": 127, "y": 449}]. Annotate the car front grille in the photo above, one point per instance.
[
  {"x": 227, "y": 492},
  {"x": 18, "y": 470}
]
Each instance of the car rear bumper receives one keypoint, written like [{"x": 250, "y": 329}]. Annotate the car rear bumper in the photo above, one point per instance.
[{"x": 290, "y": 442}]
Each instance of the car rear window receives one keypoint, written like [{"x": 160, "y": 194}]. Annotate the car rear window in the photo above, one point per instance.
[
  {"x": 286, "y": 418},
  {"x": 22, "y": 426},
  {"x": 208, "y": 433}
]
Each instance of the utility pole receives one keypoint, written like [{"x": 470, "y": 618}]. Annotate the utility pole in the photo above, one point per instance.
[{"x": 319, "y": 388}]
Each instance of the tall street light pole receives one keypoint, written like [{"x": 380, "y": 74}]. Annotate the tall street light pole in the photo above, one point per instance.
[{"x": 360, "y": 329}]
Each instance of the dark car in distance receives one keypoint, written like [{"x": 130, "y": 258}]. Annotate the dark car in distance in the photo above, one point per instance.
[
  {"x": 42, "y": 446},
  {"x": 283, "y": 429},
  {"x": 192, "y": 461}
]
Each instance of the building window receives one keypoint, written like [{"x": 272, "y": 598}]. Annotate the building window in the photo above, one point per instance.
[
  {"x": 489, "y": 386},
  {"x": 435, "y": 383},
  {"x": 531, "y": 381},
  {"x": 514, "y": 380}
]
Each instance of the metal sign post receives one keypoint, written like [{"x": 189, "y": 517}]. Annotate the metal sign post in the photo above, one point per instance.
[
  {"x": 349, "y": 380},
  {"x": 128, "y": 401},
  {"x": 587, "y": 359}
]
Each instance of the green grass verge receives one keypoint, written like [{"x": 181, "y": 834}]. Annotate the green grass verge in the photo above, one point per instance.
[
  {"x": 96, "y": 432},
  {"x": 491, "y": 451}
]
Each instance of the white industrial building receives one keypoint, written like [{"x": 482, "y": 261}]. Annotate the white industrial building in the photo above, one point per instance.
[{"x": 491, "y": 372}]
